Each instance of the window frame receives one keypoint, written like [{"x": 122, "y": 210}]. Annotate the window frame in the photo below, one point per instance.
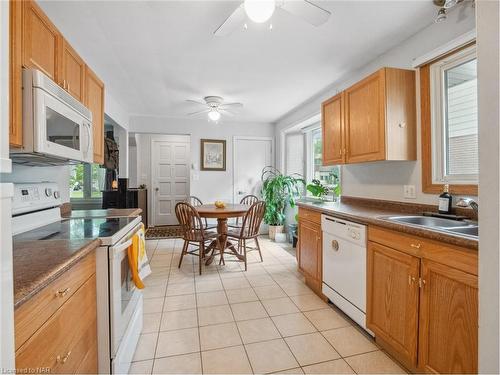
[
  {"x": 86, "y": 188},
  {"x": 432, "y": 151},
  {"x": 309, "y": 158}
]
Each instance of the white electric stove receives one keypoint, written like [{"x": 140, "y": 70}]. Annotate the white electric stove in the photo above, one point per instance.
[{"x": 36, "y": 216}]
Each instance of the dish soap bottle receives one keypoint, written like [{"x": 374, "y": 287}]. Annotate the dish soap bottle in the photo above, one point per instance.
[{"x": 445, "y": 201}]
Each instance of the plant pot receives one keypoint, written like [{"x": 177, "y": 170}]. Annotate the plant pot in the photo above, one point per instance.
[{"x": 273, "y": 229}]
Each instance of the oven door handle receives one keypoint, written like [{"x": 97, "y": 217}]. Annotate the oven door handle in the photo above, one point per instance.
[{"x": 115, "y": 250}]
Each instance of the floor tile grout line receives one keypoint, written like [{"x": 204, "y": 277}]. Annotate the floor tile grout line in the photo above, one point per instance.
[
  {"x": 238, "y": 329},
  {"x": 198, "y": 320}
]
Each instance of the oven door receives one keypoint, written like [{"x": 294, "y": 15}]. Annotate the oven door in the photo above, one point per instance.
[
  {"x": 124, "y": 295},
  {"x": 59, "y": 130}
]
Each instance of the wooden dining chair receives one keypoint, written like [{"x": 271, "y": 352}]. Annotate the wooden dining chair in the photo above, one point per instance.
[
  {"x": 249, "y": 230},
  {"x": 247, "y": 200},
  {"x": 195, "y": 202},
  {"x": 193, "y": 232}
]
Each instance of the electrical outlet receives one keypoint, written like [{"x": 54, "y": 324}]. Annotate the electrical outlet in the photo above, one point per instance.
[{"x": 409, "y": 191}]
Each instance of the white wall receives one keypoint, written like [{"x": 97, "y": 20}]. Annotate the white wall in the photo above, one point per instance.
[
  {"x": 488, "y": 41},
  {"x": 384, "y": 180},
  {"x": 206, "y": 185}
]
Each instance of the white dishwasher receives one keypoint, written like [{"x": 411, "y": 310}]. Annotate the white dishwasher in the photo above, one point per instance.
[{"x": 344, "y": 266}]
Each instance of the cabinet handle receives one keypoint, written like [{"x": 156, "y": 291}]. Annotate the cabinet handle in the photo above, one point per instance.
[
  {"x": 411, "y": 279},
  {"x": 421, "y": 283},
  {"x": 63, "y": 293},
  {"x": 64, "y": 358},
  {"x": 416, "y": 246}
]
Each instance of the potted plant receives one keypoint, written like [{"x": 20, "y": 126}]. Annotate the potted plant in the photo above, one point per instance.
[
  {"x": 317, "y": 189},
  {"x": 278, "y": 190}
]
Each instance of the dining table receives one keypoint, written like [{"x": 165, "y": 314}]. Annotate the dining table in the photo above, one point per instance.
[{"x": 222, "y": 214}]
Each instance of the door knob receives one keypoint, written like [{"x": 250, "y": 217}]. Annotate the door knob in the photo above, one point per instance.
[{"x": 157, "y": 189}]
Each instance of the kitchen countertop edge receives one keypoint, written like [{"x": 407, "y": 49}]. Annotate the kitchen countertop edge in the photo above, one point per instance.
[
  {"x": 370, "y": 219},
  {"x": 26, "y": 292}
]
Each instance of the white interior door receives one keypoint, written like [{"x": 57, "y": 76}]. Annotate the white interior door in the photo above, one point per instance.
[
  {"x": 170, "y": 178},
  {"x": 251, "y": 155}
]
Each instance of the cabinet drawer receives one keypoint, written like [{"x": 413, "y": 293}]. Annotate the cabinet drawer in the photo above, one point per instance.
[
  {"x": 64, "y": 341},
  {"x": 30, "y": 316},
  {"x": 309, "y": 215},
  {"x": 453, "y": 256}
]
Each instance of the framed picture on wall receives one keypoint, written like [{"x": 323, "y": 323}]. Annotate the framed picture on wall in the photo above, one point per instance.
[{"x": 213, "y": 155}]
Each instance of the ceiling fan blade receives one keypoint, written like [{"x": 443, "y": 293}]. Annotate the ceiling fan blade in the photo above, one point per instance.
[
  {"x": 226, "y": 112},
  {"x": 195, "y": 101},
  {"x": 233, "y": 105},
  {"x": 306, "y": 10},
  {"x": 199, "y": 112},
  {"x": 235, "y": 20}
]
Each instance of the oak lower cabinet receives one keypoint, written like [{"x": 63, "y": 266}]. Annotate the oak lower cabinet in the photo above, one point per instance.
[
  {"x": 448, "y": 320},
  {"x": 56, "y": 331},
  {"x": 423, "y": 302},
  {"x": 373, "y": 120},
  {"x": 309, "y": 248},
  {"x": 392, "y": 296}
]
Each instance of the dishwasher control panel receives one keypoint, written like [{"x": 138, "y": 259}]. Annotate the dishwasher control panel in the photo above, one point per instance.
[{"x": 344, "y": 229}]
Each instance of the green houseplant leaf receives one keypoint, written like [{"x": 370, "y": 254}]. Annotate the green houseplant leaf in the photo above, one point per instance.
[{"x": 278, "y": 190}]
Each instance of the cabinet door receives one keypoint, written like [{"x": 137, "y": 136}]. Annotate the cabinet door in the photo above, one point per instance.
[
  {"x": 310, "y": 249},
  {"x": 66, "y": 342},
  {"x": 73, "y": 72},
  {"x": 392, "y": 299},
  {"x": 40, "y": 41},
  {"x": 94, "y": 100},
  {"x": 365, "y": 119},
  {"x": 333, "y": 130},
  {"x": 448, "y": 341}
]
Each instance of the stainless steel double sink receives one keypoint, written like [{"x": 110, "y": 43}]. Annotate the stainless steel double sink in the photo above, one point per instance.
[{"x": 460, "y": 227}]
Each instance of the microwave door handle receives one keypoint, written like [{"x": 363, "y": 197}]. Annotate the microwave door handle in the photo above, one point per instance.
[{"x": 87, "y": 126}]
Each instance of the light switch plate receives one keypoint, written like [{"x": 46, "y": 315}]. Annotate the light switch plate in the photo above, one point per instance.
[{"x": 409, "y": 192}]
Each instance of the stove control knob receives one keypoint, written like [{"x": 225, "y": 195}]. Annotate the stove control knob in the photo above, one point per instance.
[
  {"x": 57, "y": 195},
  {"x": 48, "y": 192}
]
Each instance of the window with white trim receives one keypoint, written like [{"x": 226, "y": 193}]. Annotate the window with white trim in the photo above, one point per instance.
[
  {"x": 454, "y": 125},
  {"x": 329, "y": 176},
  {"x": 86, "y": 181}
]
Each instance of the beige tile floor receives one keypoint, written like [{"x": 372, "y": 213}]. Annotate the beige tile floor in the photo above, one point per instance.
[{"x": 228, "y": 321}]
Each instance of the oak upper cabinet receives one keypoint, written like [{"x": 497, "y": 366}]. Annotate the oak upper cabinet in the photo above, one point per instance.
[
  {"x": 15, "y": 74},
  {"x": 41, "y": 41},
  {"x": 72, "y": 77},
  {"x": 332, "y": 124},
  {"x": 375, "y": 119},
  {"x": 392, "y": 296},
  {"x": 310, "y": 248},
  {"x": 94, "y": 100},
  {"x": 448, "y": 320}
]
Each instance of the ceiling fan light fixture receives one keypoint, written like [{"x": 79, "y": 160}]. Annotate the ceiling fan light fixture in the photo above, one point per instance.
[
  {"x": 259, "y": 11},
  {"x": 214, "y": 115},
  {"x": 441, "y": 16}
]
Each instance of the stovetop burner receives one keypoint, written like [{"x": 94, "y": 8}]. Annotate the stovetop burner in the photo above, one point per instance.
[{"x": 74, "y": 229}]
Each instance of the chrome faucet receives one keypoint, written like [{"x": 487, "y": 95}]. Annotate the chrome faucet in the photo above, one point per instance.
[{"x": 468, "y": 202}]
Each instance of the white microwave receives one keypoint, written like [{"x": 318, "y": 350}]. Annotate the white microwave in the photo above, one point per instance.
[{"x": 57, "y": 128}]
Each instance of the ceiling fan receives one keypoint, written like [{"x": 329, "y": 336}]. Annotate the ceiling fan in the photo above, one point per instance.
[
  {"x": 260, "y": 11},
  {"x": 214, "y": 107}
]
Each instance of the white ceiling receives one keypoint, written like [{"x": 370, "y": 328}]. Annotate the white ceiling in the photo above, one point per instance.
[{"x": 153, "y": 55}]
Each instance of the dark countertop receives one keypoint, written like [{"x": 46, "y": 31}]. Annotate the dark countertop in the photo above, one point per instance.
[
  {"x": 371, "y": 212},
  {"x": 110, "y": 213},
  {"x": 37, "y": 263}
]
